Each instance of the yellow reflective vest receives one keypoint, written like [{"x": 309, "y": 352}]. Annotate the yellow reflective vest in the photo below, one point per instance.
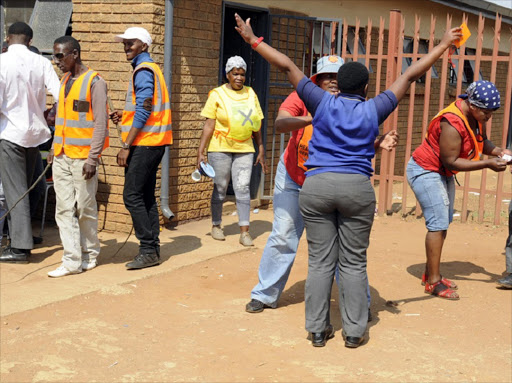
[
  {"x": 74, "y": 124},
  {"x": 243, "y": 118},
  {"x": 158, "y": 129}
]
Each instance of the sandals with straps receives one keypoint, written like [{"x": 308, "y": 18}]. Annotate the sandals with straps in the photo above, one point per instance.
[
  {"x": 439, "y": 289},
  {"x": 444, "y": 281}
]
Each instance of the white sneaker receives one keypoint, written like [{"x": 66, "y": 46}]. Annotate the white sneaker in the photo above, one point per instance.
[
  {"x": 61, "y": 271},
  {"x": 89, "y": 265}
]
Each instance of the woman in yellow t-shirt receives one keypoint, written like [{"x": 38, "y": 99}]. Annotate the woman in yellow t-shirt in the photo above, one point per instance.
[{"x": 234, "y": 117}]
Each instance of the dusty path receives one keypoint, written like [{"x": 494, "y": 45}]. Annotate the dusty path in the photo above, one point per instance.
[{"x": 185, "y": 321}]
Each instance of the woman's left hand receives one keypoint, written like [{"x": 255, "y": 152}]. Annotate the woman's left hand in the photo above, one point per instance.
[
  {"x": 509, "y": 152},
  {"x": 261, "y": 160}
]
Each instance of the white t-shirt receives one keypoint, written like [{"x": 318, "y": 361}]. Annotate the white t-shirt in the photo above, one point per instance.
[{"x": 24, "y": 77}]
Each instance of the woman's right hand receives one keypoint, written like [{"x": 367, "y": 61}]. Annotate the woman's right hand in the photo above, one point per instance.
[
  {"x": 201, "y": 158},
  {"x": 497, "y": 164}
]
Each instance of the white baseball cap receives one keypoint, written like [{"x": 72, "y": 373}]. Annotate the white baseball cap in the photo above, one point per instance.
[{"x": 135, "y": 33}]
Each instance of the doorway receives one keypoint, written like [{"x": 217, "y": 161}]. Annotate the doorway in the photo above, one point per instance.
[{"x": 257, "y": 68}]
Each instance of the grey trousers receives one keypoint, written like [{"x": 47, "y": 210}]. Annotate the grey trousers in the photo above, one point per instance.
[
  {"x": 238, "y": 167},
  {"x": 16, "y": 170},
  {"x": 338, "y": 211}
]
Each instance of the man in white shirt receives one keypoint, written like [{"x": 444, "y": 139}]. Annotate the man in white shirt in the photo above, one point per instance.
[{"x": 24, "y": 77}]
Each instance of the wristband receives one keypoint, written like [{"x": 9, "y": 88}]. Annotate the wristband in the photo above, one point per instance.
[{"x": 258, "y": 42}]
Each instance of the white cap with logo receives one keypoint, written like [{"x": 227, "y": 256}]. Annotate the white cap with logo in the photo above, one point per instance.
[{"x": 135, "y": 33}]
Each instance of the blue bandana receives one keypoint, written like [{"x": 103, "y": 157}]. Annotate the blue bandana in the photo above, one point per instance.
[{"x": 482, "y": 94}]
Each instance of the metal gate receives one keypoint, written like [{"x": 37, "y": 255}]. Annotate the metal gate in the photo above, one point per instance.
[{"x": 304, "y": 40}]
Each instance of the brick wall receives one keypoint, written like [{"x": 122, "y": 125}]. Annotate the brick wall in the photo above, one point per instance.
[
  {"x": 94, "y": 24},
  {"x": 195, "y": 55},
  {"x": 196, "y": 42}
]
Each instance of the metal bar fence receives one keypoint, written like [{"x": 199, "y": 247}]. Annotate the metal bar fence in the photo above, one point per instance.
[{"x": 414, "y": 114}]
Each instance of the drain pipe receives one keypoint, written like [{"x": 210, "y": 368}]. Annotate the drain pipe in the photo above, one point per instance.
[{"x": 164, "y": 188}]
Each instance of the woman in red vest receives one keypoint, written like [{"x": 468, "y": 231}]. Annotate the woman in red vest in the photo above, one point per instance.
[{"x": 454, "y": 143}]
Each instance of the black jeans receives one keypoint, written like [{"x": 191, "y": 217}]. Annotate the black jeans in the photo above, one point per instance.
[{"x": 139, "y": 195}]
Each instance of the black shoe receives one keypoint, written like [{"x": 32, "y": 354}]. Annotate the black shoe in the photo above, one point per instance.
[
  {"x": 12, "y": 255},
  {"x": 506, "y": 282},
  {"x": 255, "y": 306},
  {"x": 37, "y": 240},
  {"x": 143, "y": 260},
  {"x": 319, "y": 339},
  {"x": 370, "y": 317},
  {"x": 352, "y": 341}
]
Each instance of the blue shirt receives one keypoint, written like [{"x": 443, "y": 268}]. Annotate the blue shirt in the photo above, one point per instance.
[
  {"x": 144, "y": 87},
  {"x": 345, "y": 127}
]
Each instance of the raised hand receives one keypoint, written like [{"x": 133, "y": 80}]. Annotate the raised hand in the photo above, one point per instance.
[
  {"x": 389, "y": 140},
  {"x": 245, "y": 29},
  {"x": 451, "y": 36}
]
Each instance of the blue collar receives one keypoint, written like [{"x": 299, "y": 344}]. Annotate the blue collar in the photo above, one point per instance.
[
  {"x": 140, "y": 58},
  {"x": 351, "y": 96}
]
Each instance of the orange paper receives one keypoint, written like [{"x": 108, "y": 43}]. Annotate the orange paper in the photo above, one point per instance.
[{"x": 465, "y": 35}]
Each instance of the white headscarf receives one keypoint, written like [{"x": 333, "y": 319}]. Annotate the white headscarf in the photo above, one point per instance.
[{"x": 235, "y": 62}]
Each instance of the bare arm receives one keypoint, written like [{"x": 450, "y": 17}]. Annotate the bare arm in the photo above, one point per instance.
[
  {"x": 261, "y": 152},
  {"x": 274, "y": 57},
  {"x": 286, "y": 122},
  {"x": 418, "y": 69},
  {"x": 449, "y": 147},
  {"x": 208, "y": 128}
]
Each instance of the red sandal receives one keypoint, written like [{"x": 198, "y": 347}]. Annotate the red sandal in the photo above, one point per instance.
[
  {"x": 439, "y": 289},
  {"x": 444, "y": 281}
]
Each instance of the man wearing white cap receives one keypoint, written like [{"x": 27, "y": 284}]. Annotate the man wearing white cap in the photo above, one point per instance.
[
  {"x": 279, "y": 253},
  {"x": 146, "y": 130}
]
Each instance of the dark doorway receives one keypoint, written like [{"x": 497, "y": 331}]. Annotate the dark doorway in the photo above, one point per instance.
[{"x": 257, "y": 68}]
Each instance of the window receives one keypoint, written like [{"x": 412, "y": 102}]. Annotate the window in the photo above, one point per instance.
[
  {"x": 49, "y": 19},
  {"x": 361, "y": 51},
  {"x": 325, "y": 40},
  {"x": 469, "y": 68},
  {"x": 422, "y": 49}
]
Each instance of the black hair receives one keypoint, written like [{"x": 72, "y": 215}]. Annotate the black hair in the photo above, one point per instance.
[
  {"x": 34, "y": 49},
  {"x": 71, "y": 42},
  {"x": 20, "y": 28},
  {"x": 352, "y": 77}
]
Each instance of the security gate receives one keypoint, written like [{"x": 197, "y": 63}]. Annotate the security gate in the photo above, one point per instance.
[{"x": 304, "y": 40}]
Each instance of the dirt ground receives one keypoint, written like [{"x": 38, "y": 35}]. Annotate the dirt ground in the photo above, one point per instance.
[{"x": 185, "y": 321}]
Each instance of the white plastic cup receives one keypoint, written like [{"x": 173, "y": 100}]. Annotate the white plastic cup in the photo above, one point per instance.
[{"x": 196, "y": 175}]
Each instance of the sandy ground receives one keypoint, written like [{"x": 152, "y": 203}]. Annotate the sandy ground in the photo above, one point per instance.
[{"x": 185, "y": 321}]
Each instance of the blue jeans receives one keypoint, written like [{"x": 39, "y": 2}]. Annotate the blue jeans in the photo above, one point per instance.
[
  {"x": 281, "y": 248},
  {"x": 435, "y": 194}
]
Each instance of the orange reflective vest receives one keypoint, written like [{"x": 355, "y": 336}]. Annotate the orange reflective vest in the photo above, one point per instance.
[
  {"x": 476, "y": 153},
  {"x": 74, "y": 124},
  {"x": 158, "y": 129},
  {"x": 303, "y": 147}
]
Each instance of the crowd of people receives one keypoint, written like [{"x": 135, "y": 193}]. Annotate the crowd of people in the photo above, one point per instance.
[{"x": 322, "y": 182}]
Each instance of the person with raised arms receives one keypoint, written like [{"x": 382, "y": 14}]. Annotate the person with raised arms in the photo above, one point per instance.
[{"x": 337, "y": 200}]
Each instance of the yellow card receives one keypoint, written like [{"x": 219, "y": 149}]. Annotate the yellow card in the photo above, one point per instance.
[{"x": 465, "y": 35}]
